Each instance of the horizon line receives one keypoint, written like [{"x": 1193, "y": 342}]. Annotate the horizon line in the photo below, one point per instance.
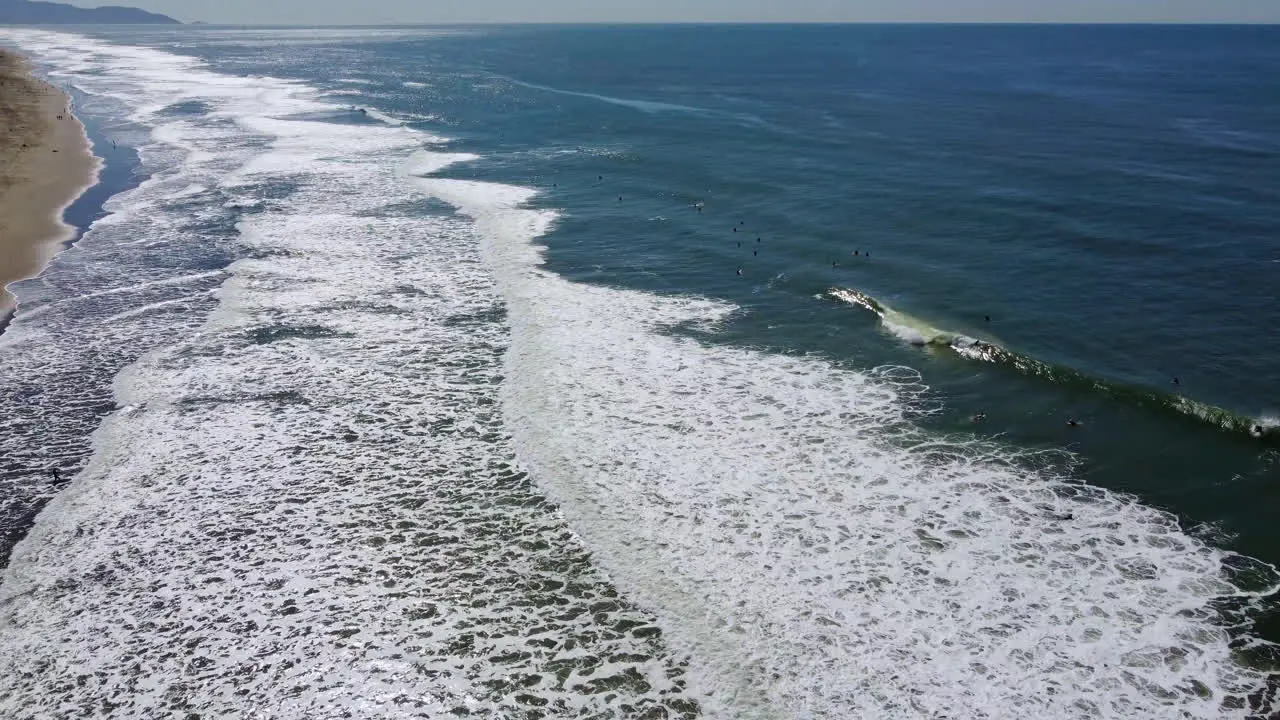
[{"x": 669, "y": 23}]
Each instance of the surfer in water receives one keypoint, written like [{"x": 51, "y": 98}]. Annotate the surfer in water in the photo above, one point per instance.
[
  {"x": 739, "y": 271},
  {"x": 1176, "y": 381},
  {"x": 1072, "y": 422},
  {"x": 978, "y": 417},
  {"x": 1256, "y": 430}
]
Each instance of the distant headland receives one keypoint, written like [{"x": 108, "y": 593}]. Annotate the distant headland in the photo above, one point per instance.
[{"x": 26, "y": 12}]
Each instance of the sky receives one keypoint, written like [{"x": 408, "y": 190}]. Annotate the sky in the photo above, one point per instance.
[{"x": 374, "y": 12}]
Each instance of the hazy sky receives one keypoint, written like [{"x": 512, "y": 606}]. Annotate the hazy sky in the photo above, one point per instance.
[{"x": 368, "y": 12}]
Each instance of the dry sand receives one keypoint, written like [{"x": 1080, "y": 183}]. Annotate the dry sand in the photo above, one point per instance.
[{"x": 45, "y": 164}]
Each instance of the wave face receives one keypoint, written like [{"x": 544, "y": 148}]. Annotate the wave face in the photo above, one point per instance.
[
  {"x": 334, "y": 497},
  {"x": 917, "y": 332}
]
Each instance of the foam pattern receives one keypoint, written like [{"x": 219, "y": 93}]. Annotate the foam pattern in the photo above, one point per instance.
[
  {"x": 818, "y": 555},
  {"x": 403, "y": 470},
  {"x": 307, "y": 506},
  {"x": 137, "y": 278}
]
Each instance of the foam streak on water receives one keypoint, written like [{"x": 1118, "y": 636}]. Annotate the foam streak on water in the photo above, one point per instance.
[
  {"x": 308, "y": 508},
  {"x": 329, "y": 501},
  {"x": 819, "y": 556},
  {"x": 137, "y": 278}
]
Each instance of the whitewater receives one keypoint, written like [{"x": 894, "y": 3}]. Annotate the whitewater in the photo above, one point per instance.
[{"x": 385, "y": 463}]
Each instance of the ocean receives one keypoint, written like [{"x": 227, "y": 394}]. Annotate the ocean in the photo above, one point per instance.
[{"x": 653, "y": 372}]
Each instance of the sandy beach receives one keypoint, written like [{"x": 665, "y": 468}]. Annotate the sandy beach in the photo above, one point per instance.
[{"x": 45, "y": 164}]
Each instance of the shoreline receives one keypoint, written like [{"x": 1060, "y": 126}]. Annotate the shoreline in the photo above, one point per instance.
[{"x": 46, "y": 163}]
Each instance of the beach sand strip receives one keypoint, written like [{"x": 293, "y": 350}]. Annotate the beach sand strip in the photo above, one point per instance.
[{"x": 46, "y": 162}]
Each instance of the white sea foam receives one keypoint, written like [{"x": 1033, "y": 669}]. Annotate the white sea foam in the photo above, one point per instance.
[
  {"x": 153, "y": 307},
  {"x": 423, "y": 163},
  {"x": 60, "y": 353},
  {"x": 385, "y": 118},
  {"x": 814, "y": 552},
  {"x": 307, "y": 508},
  {"x": 41, "y": 309},
  {"x": 646, "y": 106},
  {"x": 399, "y": 119},
  {"x": 312, "y": 507}
]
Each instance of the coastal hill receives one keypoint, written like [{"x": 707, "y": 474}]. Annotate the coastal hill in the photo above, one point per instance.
[{"x": 24, "y": 12}]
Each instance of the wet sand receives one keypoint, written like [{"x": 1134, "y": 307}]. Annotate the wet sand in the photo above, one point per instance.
[{"x": 45, "y": 164}]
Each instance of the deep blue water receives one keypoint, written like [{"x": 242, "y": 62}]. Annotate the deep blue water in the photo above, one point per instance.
[
  {"x": 1108, "y": 196},
  {"x": 1097, "y": 207}
]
